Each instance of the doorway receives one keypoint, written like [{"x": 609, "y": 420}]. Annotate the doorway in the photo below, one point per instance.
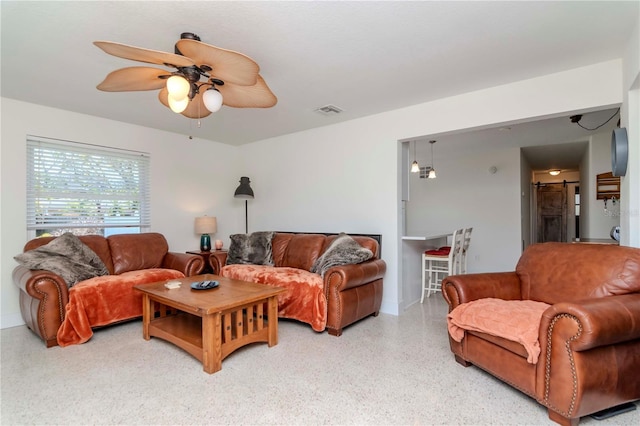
[{"x": 557, "y": 212}]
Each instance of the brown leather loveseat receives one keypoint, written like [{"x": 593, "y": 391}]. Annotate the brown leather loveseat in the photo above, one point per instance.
[
  {"x": 587, "y": 298},
  {"x": 346, "y": 293},
  {"x": 62, "y": 315}
]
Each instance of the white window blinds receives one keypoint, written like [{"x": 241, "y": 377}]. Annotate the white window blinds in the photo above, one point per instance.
[{"x": 74, "y": 185}]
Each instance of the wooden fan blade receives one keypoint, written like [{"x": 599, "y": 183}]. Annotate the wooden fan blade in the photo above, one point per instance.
[
  {"x": 227, "y": 65},
  {"x": 144, "y": 55},
  {"x": 257, "y": 96},
  {"x": 133, "y": 79},
  {"x": 195, "y": 109}
]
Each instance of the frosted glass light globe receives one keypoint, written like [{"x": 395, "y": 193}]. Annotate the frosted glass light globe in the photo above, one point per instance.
[
  {"x": 178, "y": 106},
  {"x": 178, "y": 87},
  {"x": 212, "y": 99}
]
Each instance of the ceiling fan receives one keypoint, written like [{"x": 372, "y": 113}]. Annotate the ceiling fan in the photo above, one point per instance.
[{"x": 204, "y": 77}]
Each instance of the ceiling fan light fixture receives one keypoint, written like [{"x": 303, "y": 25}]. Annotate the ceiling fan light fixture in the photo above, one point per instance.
[
  {"x": 178, "y": 105},
  {"x": 212, "y": 99},
  {"x": 197, "y": 66},
  {"x": 178, "y": 87}
]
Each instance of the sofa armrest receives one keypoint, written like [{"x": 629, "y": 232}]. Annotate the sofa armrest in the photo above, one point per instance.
[
  {"x": 188, "y": 264},
  {"x": 340, "y": 278},
  {"x": 217, "y": 259},
  {"x": 597, "y": 322},
  {"x": 353, "y": 292},
  {"x": 457, "y": 289},
  {"x": 43, "y": 298},
  {"x": 588, "y": 347}
]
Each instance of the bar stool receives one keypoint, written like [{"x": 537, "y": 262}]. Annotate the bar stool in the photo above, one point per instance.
[
  {"x": 437, "y": 264},
  {"x": 462, "y": 259}
]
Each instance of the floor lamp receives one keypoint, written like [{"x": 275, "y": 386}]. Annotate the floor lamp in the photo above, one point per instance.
[{"x": 245, "y": 191}]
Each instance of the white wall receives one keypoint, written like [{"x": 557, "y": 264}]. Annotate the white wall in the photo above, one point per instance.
[
  {"x": 526, "y": 202},
  {"x": 465, "y": 194},
  {"x": 599, "y": 222},
  {"x": 336, "y": 178},
  {"x": 630, "y": 188},
  {"x": 586, "y": 187},
  {"x": 189, "y": 178}
]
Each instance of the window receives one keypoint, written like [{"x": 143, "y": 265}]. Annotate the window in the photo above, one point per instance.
[{"x": 85, "y": 189}]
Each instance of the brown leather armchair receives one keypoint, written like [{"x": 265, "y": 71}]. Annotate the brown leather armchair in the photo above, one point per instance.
[{"x": 589, "y": 336}]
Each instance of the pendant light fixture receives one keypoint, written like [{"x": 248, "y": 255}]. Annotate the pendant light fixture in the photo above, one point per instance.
[
  {"x": 432, "y": 171},
  {"x": 415, "y": 168}
]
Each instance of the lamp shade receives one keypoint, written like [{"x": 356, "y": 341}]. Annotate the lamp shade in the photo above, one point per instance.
[
  {"x": 206, "y": 225},
  {"x": 244, "y": 190}
]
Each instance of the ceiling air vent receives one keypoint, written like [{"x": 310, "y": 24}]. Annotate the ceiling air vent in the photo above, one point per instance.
[{"x": 329, "y": 110}]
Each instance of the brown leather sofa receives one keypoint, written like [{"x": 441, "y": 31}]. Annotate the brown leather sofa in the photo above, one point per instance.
[
  {"x": 44, "y": 295},
  {"x": 351, "y": 292},
  {"x": 589, "y": 336}
]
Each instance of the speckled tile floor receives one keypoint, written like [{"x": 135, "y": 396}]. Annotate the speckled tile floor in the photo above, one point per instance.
[{"x": 384, "y": 370}]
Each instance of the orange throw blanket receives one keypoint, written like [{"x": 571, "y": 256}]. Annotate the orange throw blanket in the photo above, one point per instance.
[
  {"x": 104, "y": 300},
  {"x": 515, "y": 320},
  {"x": 304, "y": 300}
]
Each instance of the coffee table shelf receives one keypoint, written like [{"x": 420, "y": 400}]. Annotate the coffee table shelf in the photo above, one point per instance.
[{"x": 182, "y": 329}]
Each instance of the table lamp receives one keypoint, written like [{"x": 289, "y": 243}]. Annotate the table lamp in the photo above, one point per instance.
[{"x": 204, "y": 226}]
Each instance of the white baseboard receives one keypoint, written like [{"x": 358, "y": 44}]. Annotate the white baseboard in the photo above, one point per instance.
[
  {"x": 11, "y": 320},
  {"x": 390, "y": 308}
]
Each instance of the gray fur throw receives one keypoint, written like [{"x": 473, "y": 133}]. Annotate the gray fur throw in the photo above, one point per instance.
[
  {"x": 344, "y": 250},
  {"x": 66, "y": 256},
  {"x": 251, "y": 249}
]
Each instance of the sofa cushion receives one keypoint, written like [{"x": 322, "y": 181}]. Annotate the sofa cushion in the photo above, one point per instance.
[
  {"x": 344, "y": 250},
  {"x": 302, "y": 250},
  {"x": 279, "y": 246},
  {"x": 66, "y": 256},
  {"x": 104, "y": 300},
  {"x": 304, "y": 300},
  {"x": 253, "y": 249},
  {"x": 625, "y": 281},
  {"x": 515, "y": 320},
  {"x": 586, "y": 270},
  {"x": 135, "y": 252}
]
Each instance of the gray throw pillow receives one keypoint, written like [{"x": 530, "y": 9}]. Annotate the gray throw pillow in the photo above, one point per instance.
[
  {"x": 344, "y": 250},
  {"x": 66, "y": 256},
  {"x": 251, "y": 249}
]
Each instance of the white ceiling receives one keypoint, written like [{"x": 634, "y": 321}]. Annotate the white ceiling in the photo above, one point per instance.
[{"x": 364, "y": 57}]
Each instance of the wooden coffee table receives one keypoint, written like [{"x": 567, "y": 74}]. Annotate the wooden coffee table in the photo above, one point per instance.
[{"x": 210, "y": 324}]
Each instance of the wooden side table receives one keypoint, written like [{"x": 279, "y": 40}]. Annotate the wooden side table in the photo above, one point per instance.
[{"x": 209, "y": 268}]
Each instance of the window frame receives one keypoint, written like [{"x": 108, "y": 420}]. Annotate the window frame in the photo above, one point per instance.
[{"x": 77, "y": 183}]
